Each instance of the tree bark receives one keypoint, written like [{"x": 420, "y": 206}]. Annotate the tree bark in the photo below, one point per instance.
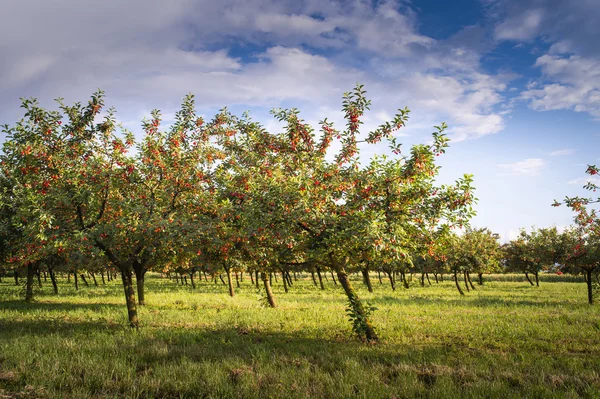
[
  {"x": 140, "y": 279},
  {"x": 528, "y": 279},
  {"x": 320, "y": 278},
  {"x": 333, "y": 278},
  {"x": 229, "y": 280},
  {"x": 285, "y": 283},
  {"x": 422, "y": 279},
  {"x": 84, "y": 280},
  {"x": 404, "y": 280},
  {"x": 469, "y": 280},
  {"x": 313, "y": 278},
  {"x": 589, "y": 287},
  {"x": 391, "y": 278},
  {"x": 53, "y": 279},
  {"x": 16, "y": 275},
  {"x": 270, "y": 297},
  {"x": 127, "y": 277},
  {"x": 367, "y": 278},
  {"x": 76, "y": 282},
  {"x": 457, "y": 284},
  {"x": 379, "y": 276},
  {"x": 192, "y": 280},
  {"x": 357, "y": 305},
  {"x": 256, "y": 280},
  {"x": 480, "y": 275},
  {"x": 39, "y": 278},
  {"x": 102, "y": 275},
  {"x": 94, "y": 278},
  {"x": 237, "y": 280},
  {"x": 537, "y": 279},
  {"x": 466, "y": 282}
]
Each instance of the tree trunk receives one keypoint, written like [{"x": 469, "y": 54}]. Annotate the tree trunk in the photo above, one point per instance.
[
  {"x": 102, "y": 275},
  {"x": 392, "y": 282},
  {"x": 16, "y": 275},
  {"x": 94, "y": 278},
  {"x": 480, "y": 275},
  {"x": 53, "y": 279},
  {"x": 177, "y": 278},
  {"x": 84, "y": 280},
  {"x": 39, "y": 278},
  {"x": 76, "y": 282},
  {"x": 320, "y": 278},
  {"x": 528, "y": 279},
  {"x": 237, "y": 280},
  {"x": 229, "y": 280},
  {"x": 466, "y": 282},
  {"x": 192, "y": 280},
  {"x": 436, "y": 279},
  {"x": 589, "y": 287},
  {"x": 537, "y": 279},
  {"x": 427, "y": 277},
  {"x": 333, "y": 278},
  {"x": 252, "y": 277},
  {"x": 221, "y": 278},
  {"x": 357, "y": 305},
  {"x": 457, "y": 284},
  {"x": 285, "y": 283},
  {"x": 127, "y": 277},
  {"x": 367, "y": 278},
  {"x": 313, "y": 278},
  {"x": 404, "y": 280},
  {"x": 469, "y": 280},
  {"x": 256, "y": 280},
  {"x": 270, "y": 296},
  {"x": 140, "y": 279},
  {"x": 379, "y": 276},
  {"x": 31, "y": 269},
  {"x": 422, "y": 279}
]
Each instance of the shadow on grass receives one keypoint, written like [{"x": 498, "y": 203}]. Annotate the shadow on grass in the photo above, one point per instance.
[{"x": 36, "y": 306}]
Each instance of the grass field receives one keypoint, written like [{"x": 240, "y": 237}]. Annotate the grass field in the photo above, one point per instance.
[{"x": 505, "y": 340}]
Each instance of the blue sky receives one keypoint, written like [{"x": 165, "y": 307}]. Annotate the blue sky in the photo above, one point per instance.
[{"x": 518, "y": 82}]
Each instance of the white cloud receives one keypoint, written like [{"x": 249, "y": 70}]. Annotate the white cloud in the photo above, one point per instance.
[
  {"x": 521, "y": 27},
  {"x": 558, "y": 153},
  {"x": 574, "y": 84},
  {"x": 528, "y": 167}
]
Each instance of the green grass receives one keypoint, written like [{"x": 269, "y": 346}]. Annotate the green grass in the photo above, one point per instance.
[{"x": 505, "y": 340}]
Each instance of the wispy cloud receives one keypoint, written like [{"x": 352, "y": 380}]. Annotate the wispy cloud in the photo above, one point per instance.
[
  {"x": 558, "y": 153},
  {"x": 582, "y": 181},
  {"x": 528, "y": 167}
]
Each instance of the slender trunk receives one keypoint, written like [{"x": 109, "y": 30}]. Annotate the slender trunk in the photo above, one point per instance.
[
  {"x": 16, "y": 275},
  {"x": 528, "y": 279},
  {"x": 275, "y": 275},
  {"x": 367, "y": 279},
  {"x": 192, "y": 280},
  {"x": 480, "y": 275},
  {"x": 392, "y": 282},
  {"x": 102, "y": 275},
  {"x": 442, "y": 277},
  {"x": 289, "y": 278},
  {"x": 333, "y": 278},
  {"x": 469, "y": 280},
  {"x": 237, "y": 280},
  {"x": 256, "y": 280},
  {"x": 45, "y": 277},
  {"x": 252, "y": 277},
  {"x": 185, "y": 279},
  {"x": 589, "y": 287},
  {"x": 320, "y": 278},
  {"x": 84, "y": 279},
  {"x": 229, "y": 280},
  {"x": 466, "y": 282},
  {"x": 537, "y": 279},
  {"x": 76, "y": 282},
  {"x": 30, "y": 275},
  {"x": 295, "y": 277},
  {"x": 53, "y": 279},
  {"x": 271, "y": 279},
  {"x": 205, "y": 278},
  {"x": 457, "y": 284},
  {"x": 436, "y": 279},
  {"x": 357, "y": 305},
  {"x": 422, "y": 279},
  {"x": 127, "y": 277},
  {"x": 404, "y": 280},
  {"x": 140, "y": 278},
  {"x": 285, "y": 283},
  {"x": 94, "y": 278},
  {"x": 177, "y": 278},
  {"x": 39, "y": 278},
  {"x": 270, "y": 296},
  {"x": 313, "y": 278},
  {"x": 379, "y": 276},
  {"x": 427, "y": 277},
  {"x": 221, "y": 277}
]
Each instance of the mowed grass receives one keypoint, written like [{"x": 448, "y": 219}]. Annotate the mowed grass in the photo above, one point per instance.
[{"x": 504, "y": 340}]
